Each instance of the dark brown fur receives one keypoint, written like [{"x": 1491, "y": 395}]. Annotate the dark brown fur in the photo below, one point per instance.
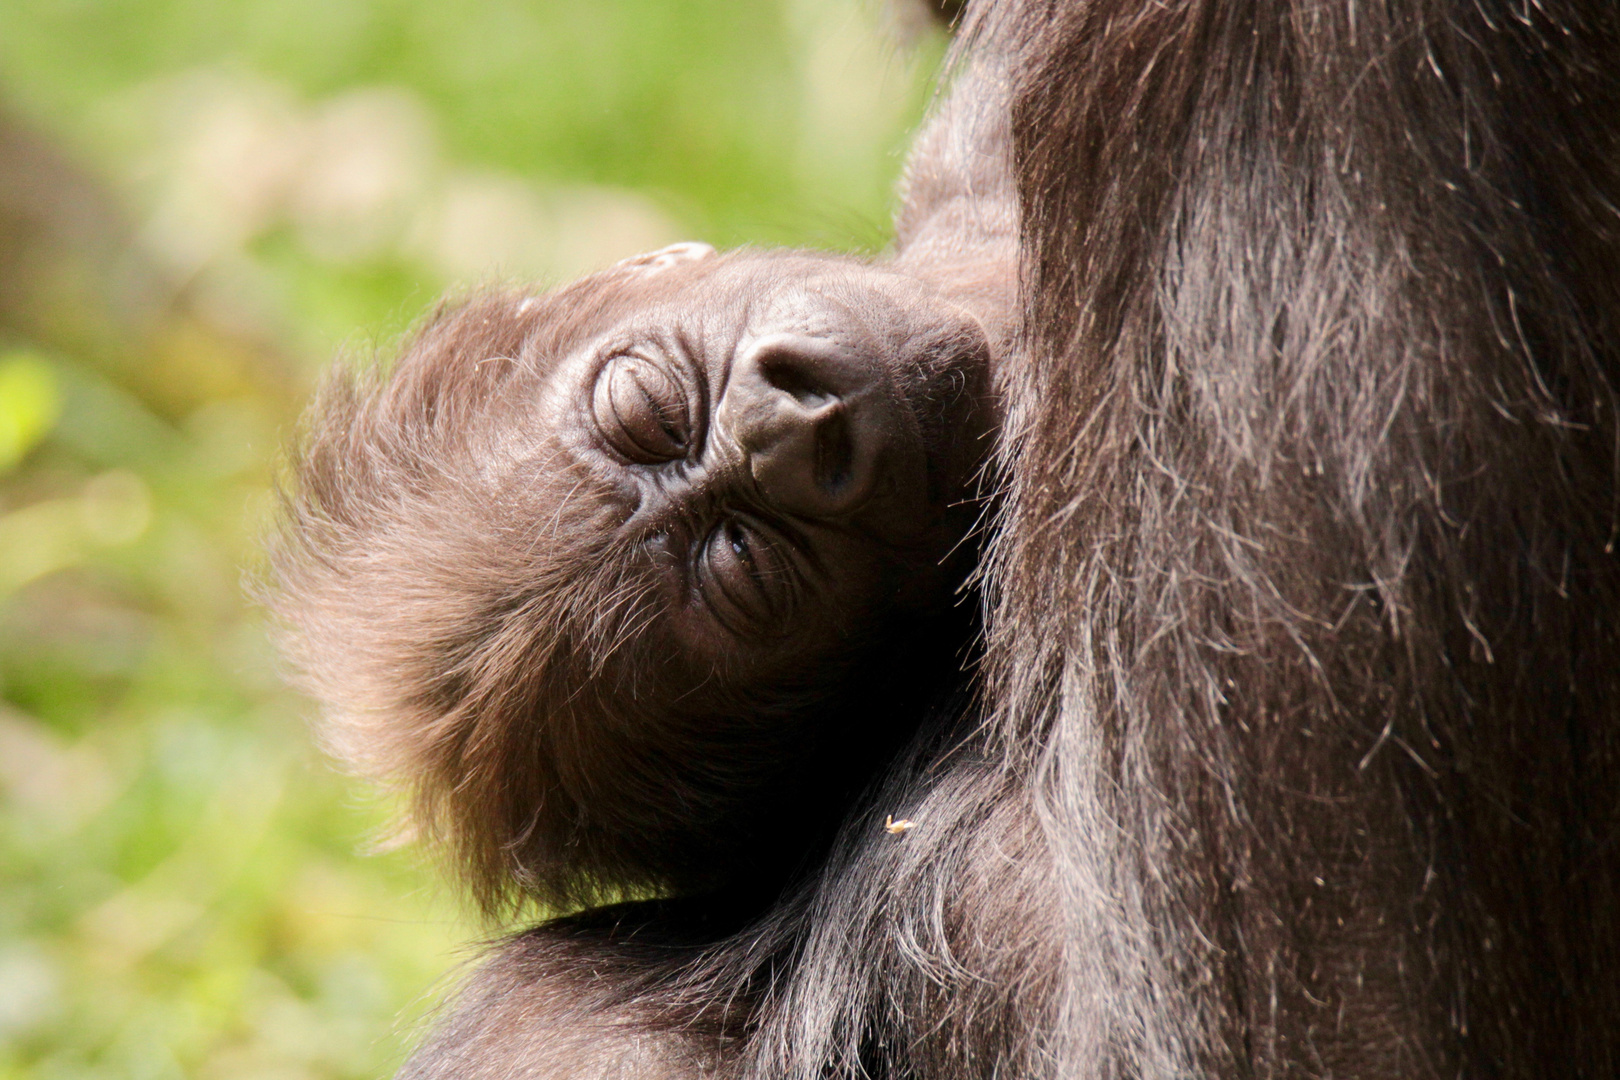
[
  {"x": 1323, "y": 474},
  {"x": 1302, "y": 754}
]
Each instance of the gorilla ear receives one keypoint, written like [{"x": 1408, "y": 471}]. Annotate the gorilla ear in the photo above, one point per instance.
[{"x": 656, "y": 262}]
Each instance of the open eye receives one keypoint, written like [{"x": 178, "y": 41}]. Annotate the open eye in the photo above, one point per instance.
[
  {"x": 642, "y": 410},
  {"x": 746, "y": 579}
]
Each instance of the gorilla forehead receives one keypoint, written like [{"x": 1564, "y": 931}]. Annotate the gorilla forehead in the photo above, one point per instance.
[{"x": 724, "y": 295}]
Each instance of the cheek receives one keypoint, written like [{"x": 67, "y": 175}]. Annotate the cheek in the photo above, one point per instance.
[
  {"x": 710, "y": 665},
  {"x": 857, "y": 584},
  {"x": 851, "y": 592}
]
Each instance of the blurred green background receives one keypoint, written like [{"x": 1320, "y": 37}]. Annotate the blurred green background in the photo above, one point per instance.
[{"x": 201, "y": 203}]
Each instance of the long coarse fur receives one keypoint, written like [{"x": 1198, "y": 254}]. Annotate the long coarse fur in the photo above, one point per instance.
[{"x": 1308, "y": 621}]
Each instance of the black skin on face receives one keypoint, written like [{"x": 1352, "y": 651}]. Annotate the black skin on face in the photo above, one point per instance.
[{"x": 771, "y": 426}]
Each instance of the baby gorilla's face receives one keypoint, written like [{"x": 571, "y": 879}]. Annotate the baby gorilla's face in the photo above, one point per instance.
[
  {"x": 792, "y": 440},
  {"x": 614, "y": 577}
]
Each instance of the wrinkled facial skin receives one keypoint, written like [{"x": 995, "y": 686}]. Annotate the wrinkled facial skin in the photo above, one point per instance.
[{"x": 794, "y": 440}]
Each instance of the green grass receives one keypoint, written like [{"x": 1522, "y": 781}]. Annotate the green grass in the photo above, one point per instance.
[{"x": 219, "y": 196}]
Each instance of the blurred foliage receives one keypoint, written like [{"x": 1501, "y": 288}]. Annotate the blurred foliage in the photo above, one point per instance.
[{"x": 201, "y": 201}]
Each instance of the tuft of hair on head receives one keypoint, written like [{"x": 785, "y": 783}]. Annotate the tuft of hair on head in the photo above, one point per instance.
[{"x": 445, "y": 584}]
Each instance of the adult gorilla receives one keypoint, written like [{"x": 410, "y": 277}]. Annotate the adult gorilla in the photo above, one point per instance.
[
  {"x": 1301, "y": 749},
  {"x": 1305, "y": 637},
  {"x": 1306, "y": 627}
]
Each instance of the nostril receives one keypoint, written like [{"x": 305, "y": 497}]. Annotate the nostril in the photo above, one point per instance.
[
  {"x": 809, "y": 418},
  {"x": 835, "y": 452},
  {"x": 833, "y": 438},
  {"x": 787, "y": 373}
]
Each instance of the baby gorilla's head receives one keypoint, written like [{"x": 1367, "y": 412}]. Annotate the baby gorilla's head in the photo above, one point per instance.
[{"x": 583, "y": 569}]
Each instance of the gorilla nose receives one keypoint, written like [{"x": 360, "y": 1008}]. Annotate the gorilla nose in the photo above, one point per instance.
[{"x": 811, "y": 416}]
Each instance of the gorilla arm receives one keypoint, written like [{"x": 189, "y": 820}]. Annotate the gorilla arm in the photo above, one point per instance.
[
  {"x": 591, "y": 997},
  {"x": 957, "y": 228}
]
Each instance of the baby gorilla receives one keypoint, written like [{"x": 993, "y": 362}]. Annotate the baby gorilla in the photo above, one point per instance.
[{"x": 635, "y": 584}]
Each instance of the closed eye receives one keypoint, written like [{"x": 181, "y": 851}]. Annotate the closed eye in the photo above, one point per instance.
[{"x": 642, "y": 410}]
